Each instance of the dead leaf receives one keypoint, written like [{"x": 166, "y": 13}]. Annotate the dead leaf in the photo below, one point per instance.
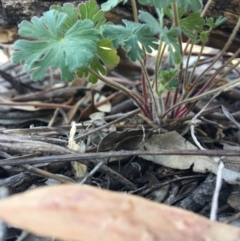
[
  {"x": 80, "y": 169},
  {"x": 137, "y": 140},
  {"x": 233, "y": 201},
  {"x": 87, "y": 112},
  {"x": 114, "y": 139},
  {"x": 173, "y": 141},
  {"x": 98, "y": 118},
  {"x": 106, "y": 107},
  {"x": 75, "y": 212}
]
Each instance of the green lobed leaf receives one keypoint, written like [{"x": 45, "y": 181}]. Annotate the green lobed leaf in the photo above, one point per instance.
[
  {"x": 165, "y": 76},
  {"x": 160, "y": 4},
  {"x": 151, "y": 21},
  {"x": 129, "y": 37},
  {"x": 107, "y": 53},
  {"x": 173, "y": 83},
  {"x": 110, "y": 4},
  {"x": 195, "y": 5},
  {"x": 204, "y": 36},
  {"x": 108, "y": 56},
  {"x": 52, "y": 47},
  {"x": 177, "y": 57},
  {"x": 82, "y": 72},
  {"x": 167, "y": 80},
  {"x": 220, "y": 20},
  {"x": 181, "y": 12},
  {"x": 210, "y": 22},
  {"x": 190, "y": 5},
  {"x": 213, "y": 24},
  {"x": 169, "y": 12},
  {"x": 193, "y": 22},
  {"x": 183, "y": 4},
  {"x": 170, "y": 37},
  {"x": 156, "y": 25},
  {"x": 189, "y": 33},
  {"x": 72, "y": 14},
  {"x": 156, "y": 3},
  {"x": 96, "y": 66},
  {"x": 90, "y": 10}
]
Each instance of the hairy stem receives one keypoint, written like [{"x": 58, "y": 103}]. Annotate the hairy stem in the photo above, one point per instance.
[
  {"x": 118, "y": 86},
  {"x": 185, "y": 81},
  {"x": 160, "y": 53},
  {"x": 206, "y": 8},
  {"x": 144, "y": 88},
  {"x": 196, "y": 64},
  {"x": 213, "y": 91},
  {"x": 153, "y": 96},
  {"x": 135, "y": 11},
  {"x": 207, "y": 84},
  {"x": 176, "y": 23}
]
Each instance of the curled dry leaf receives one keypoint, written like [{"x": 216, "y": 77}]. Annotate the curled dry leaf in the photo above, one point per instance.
[{"x": 74, "y": 212}]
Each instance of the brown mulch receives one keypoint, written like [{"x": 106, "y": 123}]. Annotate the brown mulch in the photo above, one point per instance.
[{"x": 35, "y": 124}]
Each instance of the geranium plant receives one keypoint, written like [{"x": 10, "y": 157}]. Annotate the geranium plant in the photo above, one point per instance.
[{"x": 80, "y": 41}]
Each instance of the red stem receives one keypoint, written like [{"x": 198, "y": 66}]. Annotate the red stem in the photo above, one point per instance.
[
  {"x": 144, "y": 90},
  {"x": 167, "y": 100},
  {"x": 174, "y": 101},
  {"x": 143, "y": 107},
  {"x": 183, "y": 110},
  {"x": 208, "y": 82}
]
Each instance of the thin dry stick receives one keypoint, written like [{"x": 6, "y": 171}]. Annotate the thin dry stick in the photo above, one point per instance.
[
  {"x": 87, "y": 158},
  {"x": 206, "y": 8},
  {"x": 108, "y": 124},
  {"x": 35, "y": 104},
  {"x": 194, "y": 119},
  {"x": 94, "y": 170},
  {"x": 150, "y": 188},
  {"x": 41, "y": 172},
  {"x": 214, "y": 207},
  {"x": 51, "y": 122},
  {"x": 47, "y": 174}
]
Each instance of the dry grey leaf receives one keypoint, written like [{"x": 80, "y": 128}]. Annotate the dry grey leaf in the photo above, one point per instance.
[
  {"x": 233, "y": 201},
  {"x": 172, "y": 140}
]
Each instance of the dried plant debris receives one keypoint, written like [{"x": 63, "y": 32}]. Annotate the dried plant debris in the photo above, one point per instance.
[
  {"x": 148, "y": 141},
  {"x": 202, "y": 164}
]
